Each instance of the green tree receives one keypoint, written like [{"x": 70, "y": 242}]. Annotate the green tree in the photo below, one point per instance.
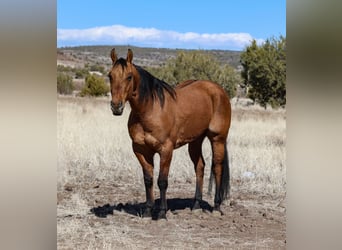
[
  {"x": 264, "y": 72},
  {"x": 94, "y": 86},
  {"x": 198, "y": 65},
  {"x": 64, "y": 84},
  {"x": 228, "y": 78}
]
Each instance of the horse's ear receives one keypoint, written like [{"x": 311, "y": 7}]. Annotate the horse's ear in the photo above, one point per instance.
[
  {"x": 129, "y": 56},
  {"x": 113, "y": 55}
]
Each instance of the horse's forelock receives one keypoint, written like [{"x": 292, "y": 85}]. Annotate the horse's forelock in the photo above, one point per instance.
[{"x": 121, "y": 62}]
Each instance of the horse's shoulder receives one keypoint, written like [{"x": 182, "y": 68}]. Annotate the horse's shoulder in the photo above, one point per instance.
[{"x": 135, "y": 129}]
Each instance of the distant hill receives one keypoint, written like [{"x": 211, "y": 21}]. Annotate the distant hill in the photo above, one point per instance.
[{"x": 151, "y": 57}]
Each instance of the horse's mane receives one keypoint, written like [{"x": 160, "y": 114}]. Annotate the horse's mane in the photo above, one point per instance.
[{"x": 152, "y": 87}]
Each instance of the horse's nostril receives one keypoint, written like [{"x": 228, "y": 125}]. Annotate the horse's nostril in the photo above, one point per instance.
[
  {"x": 117, "y": 108},
  {"x": 119, "y": 104}
]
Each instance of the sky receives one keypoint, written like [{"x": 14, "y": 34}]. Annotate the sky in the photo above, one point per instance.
[{"x": 187, "y": 24}]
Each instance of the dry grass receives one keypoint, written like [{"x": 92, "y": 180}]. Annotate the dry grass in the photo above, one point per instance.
[{"x": 94, "y": 148}]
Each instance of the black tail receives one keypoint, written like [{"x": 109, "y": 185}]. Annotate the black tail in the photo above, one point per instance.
[{"x": 225, "y": 183}]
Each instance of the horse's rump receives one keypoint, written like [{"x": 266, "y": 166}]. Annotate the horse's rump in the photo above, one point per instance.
[{"x": 200, "y": 107}]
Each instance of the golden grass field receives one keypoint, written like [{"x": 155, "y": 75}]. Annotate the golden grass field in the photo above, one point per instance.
[{"x": 97, "y": 169}]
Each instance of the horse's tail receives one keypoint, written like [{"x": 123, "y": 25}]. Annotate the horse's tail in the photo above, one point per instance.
[{"x": 225, "y": 181}]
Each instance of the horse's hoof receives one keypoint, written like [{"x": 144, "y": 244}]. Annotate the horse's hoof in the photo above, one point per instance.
[
  {"x": 217, "y": 212},
  {"x": 162, "y": 214},
  {"x": 196, "y": 206},
  {"x": 197, "y": 211},
  {"x": 147, "y": 213}
]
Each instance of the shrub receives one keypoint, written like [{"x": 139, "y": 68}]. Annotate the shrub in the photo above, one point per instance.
[
  {"x": 81, "y": 73},
  {"x": 97, "y": 67},
  {"x": 64, "y": 84},
  {"x": 94, "y": 86},
  {"x": 62, "y": 68}
]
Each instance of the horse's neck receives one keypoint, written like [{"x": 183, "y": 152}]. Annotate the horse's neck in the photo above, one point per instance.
[{"x": 140, "y": 108}]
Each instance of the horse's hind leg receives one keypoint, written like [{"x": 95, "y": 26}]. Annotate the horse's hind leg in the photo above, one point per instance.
[
  {"x": 218, "y": 148},
  {"x": 195, "y": 152}
]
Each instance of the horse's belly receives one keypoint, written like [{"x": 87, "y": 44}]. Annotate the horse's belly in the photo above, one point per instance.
[
  {"x": 180, "y": 143},
  {"x": 186, "y": 136}
]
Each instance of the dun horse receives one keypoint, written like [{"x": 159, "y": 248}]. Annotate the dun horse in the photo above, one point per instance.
[{"x": 164, "y": 118}]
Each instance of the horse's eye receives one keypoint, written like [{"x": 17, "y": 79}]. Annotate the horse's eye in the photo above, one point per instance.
[
  {"x": 129, "y": 78},
  {"x": 110, "y": 77}
]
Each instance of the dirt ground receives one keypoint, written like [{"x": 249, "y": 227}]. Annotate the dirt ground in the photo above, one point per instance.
[{"x": 111, "y": 219}]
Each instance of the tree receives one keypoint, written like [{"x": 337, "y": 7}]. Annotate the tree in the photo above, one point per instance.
[
  {"x": 264, "y": 72},
  {"x": 198, "y": 65},
  {"x": 94, "y": 86},
  {"x": 228, "y": 78}
]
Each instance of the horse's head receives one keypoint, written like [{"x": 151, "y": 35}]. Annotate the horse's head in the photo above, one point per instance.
[{"x": 122, "y": 80}]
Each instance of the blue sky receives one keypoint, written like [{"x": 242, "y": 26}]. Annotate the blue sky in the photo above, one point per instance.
[{"x": 195, "y": 24}]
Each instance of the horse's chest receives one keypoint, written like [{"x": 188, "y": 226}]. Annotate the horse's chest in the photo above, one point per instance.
[
  {"x": 148, "y": 131},
  {"x": 152, "y": 141},
  {"x": 143, "y": 138}
]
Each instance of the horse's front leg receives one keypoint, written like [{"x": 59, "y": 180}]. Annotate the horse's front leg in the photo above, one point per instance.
[
  {"x": 145, "y": 157},
  {"x": 165, "y": 160}
]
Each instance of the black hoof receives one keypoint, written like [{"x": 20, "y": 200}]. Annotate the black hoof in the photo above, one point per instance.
[
  {"x": 197, "y": 205},
  {"x": 162, "y": 214},
  {"x": 217, "y": 210},
  {"x": 147, "y": 213}
]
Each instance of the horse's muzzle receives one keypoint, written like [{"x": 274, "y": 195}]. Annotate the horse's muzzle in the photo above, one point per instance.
[{"x": 117, "y": 109}]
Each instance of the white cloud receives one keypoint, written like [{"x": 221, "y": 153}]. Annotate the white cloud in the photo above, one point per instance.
[{"x": 119, "y": 34}]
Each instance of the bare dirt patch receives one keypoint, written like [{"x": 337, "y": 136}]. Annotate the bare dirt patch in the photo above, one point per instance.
[{"x": 113, "y": 220}]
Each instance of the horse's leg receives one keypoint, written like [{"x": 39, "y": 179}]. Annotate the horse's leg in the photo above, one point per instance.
[
  {"x": 145, "y": 157},
  {"x": 195, "y": 152},
  {"x": 218, "y": 148},
  {"x": 165, "y": 160}
]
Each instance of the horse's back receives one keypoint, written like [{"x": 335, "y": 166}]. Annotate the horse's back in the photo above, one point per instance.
[
  {"x": 207, "y": 92},
  {"x": 210, "y": 88}
]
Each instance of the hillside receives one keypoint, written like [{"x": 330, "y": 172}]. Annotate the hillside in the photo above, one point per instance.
[{"x": 151, "y": 57}]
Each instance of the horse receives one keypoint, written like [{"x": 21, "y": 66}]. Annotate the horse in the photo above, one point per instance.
[{"x": 164, "y": 118}]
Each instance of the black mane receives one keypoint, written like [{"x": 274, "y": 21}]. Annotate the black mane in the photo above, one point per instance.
[
  {"x": 152, "y": 87},
  {"x": 121, "y": 62}
]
